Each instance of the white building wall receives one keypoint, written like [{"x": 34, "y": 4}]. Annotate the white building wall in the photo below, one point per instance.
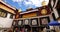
[{"x": 6, "y": 22}]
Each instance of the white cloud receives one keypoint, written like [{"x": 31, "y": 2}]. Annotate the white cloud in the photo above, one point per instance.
[
  {"x": 26, "y": 3},
  {"x": 17, "y": 0},
  {"x": 37, "y": 3}
]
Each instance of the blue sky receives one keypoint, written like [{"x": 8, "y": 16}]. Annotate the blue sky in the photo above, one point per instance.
[{"x": 24, "y": 4}]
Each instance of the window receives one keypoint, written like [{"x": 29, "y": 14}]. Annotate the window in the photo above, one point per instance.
[
  {"x": 3, "y": 13},
  {"x": 11, "y": 16},
  {"x": 44, "y": 20},
  {"x": 26, "y": 22},
  {"x": 20, "y": 22},
  {"x": 34, "y": 22}
]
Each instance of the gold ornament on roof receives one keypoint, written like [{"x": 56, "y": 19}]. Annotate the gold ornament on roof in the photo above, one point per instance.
[
  {"x": 44, "y": 3},
  {"x": 19, "y": 10},
  {"x": 43, "y": 11}
]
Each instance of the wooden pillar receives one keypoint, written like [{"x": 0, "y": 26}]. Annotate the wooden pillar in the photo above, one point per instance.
[
  {"x": 17, "y": 14},
  {"x": 16, "y": 17}
]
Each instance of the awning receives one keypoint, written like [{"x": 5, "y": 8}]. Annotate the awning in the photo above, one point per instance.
[{"x": 54, "y": 23}]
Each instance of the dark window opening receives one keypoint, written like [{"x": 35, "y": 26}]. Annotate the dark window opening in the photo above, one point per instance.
[{"x": 3, "y": 13}]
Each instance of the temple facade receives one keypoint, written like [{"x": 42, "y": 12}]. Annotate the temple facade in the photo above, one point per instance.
[{"x": 34, "y": 19}]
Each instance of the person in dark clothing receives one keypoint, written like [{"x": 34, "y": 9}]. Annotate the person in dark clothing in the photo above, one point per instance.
[{"x": 16, "y": 30}]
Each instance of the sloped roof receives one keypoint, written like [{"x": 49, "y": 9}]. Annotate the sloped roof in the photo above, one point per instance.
[
  {"x": 10, "y": 7},
  {"x": 34, "y": 10}
]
